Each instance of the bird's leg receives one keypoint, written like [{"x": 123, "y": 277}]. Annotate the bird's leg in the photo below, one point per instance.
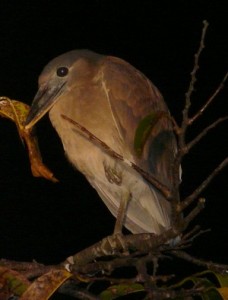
[
  {"x": 117, "y": 237},
  {"x": 121, "y": 213}
]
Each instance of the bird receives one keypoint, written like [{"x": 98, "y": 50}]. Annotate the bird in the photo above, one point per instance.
[{"x": 109, "y": 97}]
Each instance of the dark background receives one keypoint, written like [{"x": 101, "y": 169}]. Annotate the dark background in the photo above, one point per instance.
[{"x": 48, "y": 222}]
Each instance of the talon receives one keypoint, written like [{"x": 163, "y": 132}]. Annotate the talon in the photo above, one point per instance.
[{"x": 116, "y": 243}]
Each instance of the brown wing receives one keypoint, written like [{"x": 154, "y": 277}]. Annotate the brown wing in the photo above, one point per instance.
[{"x": 132, "y": 97}]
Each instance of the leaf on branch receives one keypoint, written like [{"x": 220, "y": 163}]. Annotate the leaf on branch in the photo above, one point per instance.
[
  {"x": 120, "y": 290},
  {"x": 208, "y": 282},
  {"x": 12, "y": 283},
  {"x": 209, "y": 290},
  {"x": 223, "y": 292},
  {"x": 223, "y": 283},
  {"x": 45, "y": 286},
  {"x": 144, "y": 129},
  {"x": 14, "y": 110},
  {"x": 17, "y": 112},
  {"x": 222, "y": 279}
]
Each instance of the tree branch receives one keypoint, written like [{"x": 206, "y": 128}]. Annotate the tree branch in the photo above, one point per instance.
[
  {"x": 220, "y": 268},
  {"x": 187, "y": 201},
  {"x": 69, "y": 289},
  {"x": 30, "y": 270},
  {"x": 113, "y": 246},
  {"x": 195, "y": 211},
  {"x": 181, "y": 131},
  {"x": 204, "y": 107},
  {"x": 204, "y": 132},
  {"x": 193, "y": 76}
]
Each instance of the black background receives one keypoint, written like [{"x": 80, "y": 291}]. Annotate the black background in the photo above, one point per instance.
[{"x": 48, "y": 222}]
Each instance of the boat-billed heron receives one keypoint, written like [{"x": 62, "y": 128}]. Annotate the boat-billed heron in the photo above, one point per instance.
[{"x": 109, "y": 97}]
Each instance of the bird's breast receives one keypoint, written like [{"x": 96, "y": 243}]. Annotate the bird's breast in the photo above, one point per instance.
[{"x": 85, "y": 151}]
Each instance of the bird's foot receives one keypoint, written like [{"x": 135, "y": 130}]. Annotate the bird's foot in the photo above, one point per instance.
[
  {"x": 116, "y": 243},
  {"x": 121, "y": 215}
]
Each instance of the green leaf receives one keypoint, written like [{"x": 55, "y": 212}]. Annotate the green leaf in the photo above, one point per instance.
[
  {"x": 222, "y": 279},
  {"x": 144, "y": 129},
  {"x": 210, "y": 291},
  {"x": 116, "y": 291},
  {"x": 13, "y": 281}
]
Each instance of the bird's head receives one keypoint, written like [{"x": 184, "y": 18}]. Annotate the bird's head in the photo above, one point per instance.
[{"x": 60, "y": 75}]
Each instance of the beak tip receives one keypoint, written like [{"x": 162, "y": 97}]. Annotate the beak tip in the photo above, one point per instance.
[{"x": 42, "y": 103}]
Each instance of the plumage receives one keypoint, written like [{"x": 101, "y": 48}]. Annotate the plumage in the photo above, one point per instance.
[{"x": 109, "y": 97}]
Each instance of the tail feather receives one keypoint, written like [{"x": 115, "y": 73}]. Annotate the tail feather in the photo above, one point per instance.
[{"x": 149, "y": 212}]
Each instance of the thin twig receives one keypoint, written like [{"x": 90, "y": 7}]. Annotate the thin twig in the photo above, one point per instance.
[
  {"x": 138, "y": 278},
  {"x": 193, "y": 76},
  {"x": 190, "y": 236},
  {"x": 204, "y": 132},
  {"x": 152, "y": 179},
  {"x": 29, "y": 269},
  {"x": 200, "y": 262},
  {"x": 187, "y": 201},
  {"x": 195, "y": 211},
  {"x": 181, "y": 131},
  {"x": 213, "y": 96},
  {"x": 176, "y": 127},
  {"x": 70, "y": 289}
]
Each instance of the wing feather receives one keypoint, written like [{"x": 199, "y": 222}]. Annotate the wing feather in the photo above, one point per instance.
[{"x": 132, "y": 96}]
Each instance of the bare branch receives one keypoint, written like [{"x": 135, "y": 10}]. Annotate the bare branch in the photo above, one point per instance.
[
  {"x": 181, "y": 131},
  {"x": 112, "y": 245},
  {"x": 193, "y": 75},
  {"x": 204, "y": 132},
  {"x": 187, "y": 201},
  {"x": 208, "y": 264},
  {"x": 203, "y": 108},
  {"x": 195, "y": 211},
  {"x": 152, "y": 179},
  {"x": 28, "y": 269},
  {"x": 188, "y": 238},
  {"x": 176, "y": 127},
  {"x": 191, "y": 234},
  {"x": 69, "y": 289}
]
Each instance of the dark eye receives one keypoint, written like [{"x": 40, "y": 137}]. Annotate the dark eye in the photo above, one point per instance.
[{"x": 62, "y": 71}]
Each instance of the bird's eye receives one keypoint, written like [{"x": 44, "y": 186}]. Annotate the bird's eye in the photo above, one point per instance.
[{"x": 62, "y": 71}]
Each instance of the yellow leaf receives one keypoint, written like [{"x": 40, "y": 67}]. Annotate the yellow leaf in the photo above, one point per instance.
[
  {"x": 14, "y": 110},
  {"x": 223, "y": 292},
  {"x": 17, "y": 112},
  {"x": 45, "y": 286}
]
